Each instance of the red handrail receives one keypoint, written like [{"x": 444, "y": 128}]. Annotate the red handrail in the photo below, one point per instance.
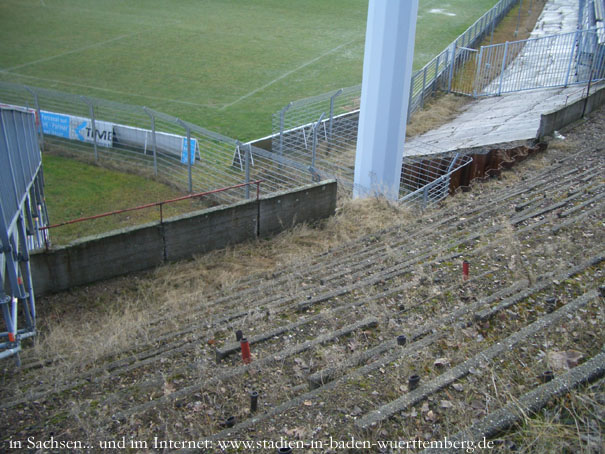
[{"x": 155, "y": 204}]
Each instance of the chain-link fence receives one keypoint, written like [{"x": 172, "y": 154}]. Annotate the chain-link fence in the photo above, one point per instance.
[
  {"x": 342, "y": 106},
  {"x": 438, "y": 73},
  {"x": 321, "y": 132},
  {"x": 437, "y": 171},
  {"x": 151, "y": 143},
  {"x": 546, "y": 62}
]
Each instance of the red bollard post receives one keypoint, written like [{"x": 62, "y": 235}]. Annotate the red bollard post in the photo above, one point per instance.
[
  {"x": 246, "y": 356},
  {"x": 465, "y": 270}
]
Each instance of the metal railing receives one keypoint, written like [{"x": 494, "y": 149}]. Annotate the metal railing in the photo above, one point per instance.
[
  {"x": 22, "y": 214},
  {"x": 159, "y": 205},
  {"x": 343, "y": 105},
  {"x": 149, "y": 142},
  {"x": 437, "y": 74},
  {"x": 320, "y": 133},
  {"x": 545, "y": 62},
  {"x": 425, "y": 181}
]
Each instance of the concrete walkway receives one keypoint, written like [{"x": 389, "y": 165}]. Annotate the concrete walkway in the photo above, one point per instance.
[{"x": 508, "y": 118}]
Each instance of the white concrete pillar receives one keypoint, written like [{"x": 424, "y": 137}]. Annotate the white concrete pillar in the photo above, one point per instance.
[{"x": 387, "y": 70}]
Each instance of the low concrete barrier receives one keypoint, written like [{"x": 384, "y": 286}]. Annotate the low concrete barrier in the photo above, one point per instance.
[
  {"x": 556, "y": 120},
  {"x": 147, "y": 246},
  {"x": 203, "y": 231},
  {"x": 284, "y": 210}
]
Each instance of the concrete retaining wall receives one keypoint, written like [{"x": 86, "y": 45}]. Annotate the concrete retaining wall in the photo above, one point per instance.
[
  {"x": 556, "y": 120},
  {"x": 138, "y": 248},
  {"x": 203, "y": 231},
  {"x": 284, "y": 210}
]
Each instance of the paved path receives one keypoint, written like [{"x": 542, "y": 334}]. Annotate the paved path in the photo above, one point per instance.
[{"x": 511, "y": 117}]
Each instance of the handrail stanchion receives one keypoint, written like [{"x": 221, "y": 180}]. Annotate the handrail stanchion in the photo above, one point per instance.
[{"x": 91, "y": 110}]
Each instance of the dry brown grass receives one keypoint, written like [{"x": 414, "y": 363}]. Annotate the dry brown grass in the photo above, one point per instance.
[
  {"x": 570, "y": 424},
  {"x": 79, "y": 327},
  {"x": 440, "y": 110}
]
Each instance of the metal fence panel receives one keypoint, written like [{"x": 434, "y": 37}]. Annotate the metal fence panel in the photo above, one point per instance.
[
  {"x": 22, "y": 213},
  {"x": 299, "y": 125},
  {"x": 148, "y": 142},
  {"x": 550, "y": 61}
]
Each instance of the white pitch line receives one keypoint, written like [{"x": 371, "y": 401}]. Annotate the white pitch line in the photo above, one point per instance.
[
  {"x": 268, "y": 84},
  {"x": 69, "y": 52},
  {"x": 109, "y": 90}
]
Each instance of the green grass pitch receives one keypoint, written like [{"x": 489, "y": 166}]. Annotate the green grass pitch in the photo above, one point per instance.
[{"x": 226, "y": 65}]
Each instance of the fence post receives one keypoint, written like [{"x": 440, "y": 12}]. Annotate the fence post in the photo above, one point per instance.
[
  {"x": 445, "y": 70},
  {"x": 332, "y": 99},
  {"x": 452, "y": 63},
  {"x": 189, "y": 159},
  {"x": 37, "y": 106},
  {"x": 411, "y": 98},
  {"x": 425, "y": 196},
  {"x": 478, "y": 72},
  {"x": 436, "y": 72},
  {"x": 188, "y": 130},
  {"x": 248, "y": 154},
  {"x": 153, "y": 141},
  {"x": 503, "y": 68},
  {"x": 92, "y": 122},
  {"x": 423, "y": 88},
  {"x": 576, "y": 41},
  {"x": 282, "y": 117},
  {"x": 315, "y": 129}
]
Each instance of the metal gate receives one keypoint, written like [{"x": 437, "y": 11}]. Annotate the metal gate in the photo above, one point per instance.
[
  {"x": 546, "y": 62},
  {"x": 462, "y": 71}
]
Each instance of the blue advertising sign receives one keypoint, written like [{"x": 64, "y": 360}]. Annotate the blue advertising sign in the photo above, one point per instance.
[
  {"x": 55, "y": 124},
  {"x": 185, "y": 151}
]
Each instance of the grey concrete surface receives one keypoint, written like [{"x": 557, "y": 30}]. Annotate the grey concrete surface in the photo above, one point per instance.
[
  {"x": 514, "y": 117},
  {"x": 506, "y": 417},
  {"x": 284, "y": 210},
  {"x": 97, "y": 258},
  {"x": 557, "y": 119},
  {"x": 207, "y": 230}
]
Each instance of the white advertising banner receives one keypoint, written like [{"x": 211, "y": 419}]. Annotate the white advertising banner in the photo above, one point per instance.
[{"x": 81, "y": 129}]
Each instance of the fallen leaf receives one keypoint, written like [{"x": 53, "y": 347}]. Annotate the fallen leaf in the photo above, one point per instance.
[
  {"x": 307, "y": 403},
  {"x": 430, "y": 416},
  {"x": 198, "y": 406},
  {"x": 441, "y": 362},
  {"x": 356, "y": 411},
  {"x": 446, "y": 404},
  {"x": 564, "y": 360},
  {"x": 168, "y": 388},
  {"x": 477, "y": 405},
  {"x": 298, "y": 432}
]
